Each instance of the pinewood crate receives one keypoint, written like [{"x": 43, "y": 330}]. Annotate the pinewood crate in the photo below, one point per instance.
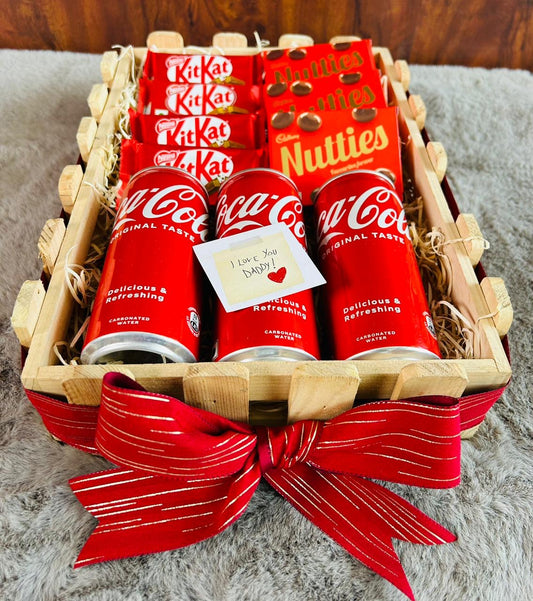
[{"x": 318, "y": 390}]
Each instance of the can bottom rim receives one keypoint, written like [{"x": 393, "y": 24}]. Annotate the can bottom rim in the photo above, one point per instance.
[
  {"x": 268, "y": 353},
  {"x": 406, "y": 353},
  {"x": 125, "y": 347}
]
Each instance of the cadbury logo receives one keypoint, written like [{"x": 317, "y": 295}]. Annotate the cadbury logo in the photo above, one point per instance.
[
  {"x": 180, "y": 203},
  {"x": 198, "y": 69},
  {"x": 201, "y": 131},
  {"x": 378, "y": 207},
  {"x": 284, "y": 138},
  {"x": 199, "y": 99},
  {"x": 259, "y": 209}
]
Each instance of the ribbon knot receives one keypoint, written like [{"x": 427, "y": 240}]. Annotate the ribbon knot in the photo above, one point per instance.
[{"x": 283, "y": 447}]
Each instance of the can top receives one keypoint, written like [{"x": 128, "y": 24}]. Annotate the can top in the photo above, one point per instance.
[
  {"x": 377, "y": 173},
  {"x": 275, "y": 172},
  {"x": 177, "y": 170}
]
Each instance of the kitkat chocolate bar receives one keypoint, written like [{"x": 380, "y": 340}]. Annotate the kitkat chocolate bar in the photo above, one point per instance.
[
  {"x": 203, "y": 69},
  {"x": 160, "y": 98},
  {"x": 313, "y": 147},
  {"x": 211, "y": 166},
  {"x": 229, "y": 130},
  {"x": 341, "y": 91},
  {"x": 316, "y": 62}
]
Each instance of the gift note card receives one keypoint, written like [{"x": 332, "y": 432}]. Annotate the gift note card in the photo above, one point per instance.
[{"x": 257, "y": 266}]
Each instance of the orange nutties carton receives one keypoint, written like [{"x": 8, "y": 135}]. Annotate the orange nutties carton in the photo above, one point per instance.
[
  {"x": 350, "y": 89},
  {"x": 312, "y": 147},
  {"x": 315, "y": 62}
]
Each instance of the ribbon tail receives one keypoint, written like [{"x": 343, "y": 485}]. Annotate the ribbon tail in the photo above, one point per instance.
[
  {"x": 361, "y": 516},
  {"x": 141, "y": 513}
]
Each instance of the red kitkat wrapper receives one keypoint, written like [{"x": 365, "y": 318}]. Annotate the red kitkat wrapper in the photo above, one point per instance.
[
  {"x": 211, "y": 166},
  {"x": 200, "y": 131},
  {"x": 345, "y": 90},
  {"x": 318, "y": 61},
  {"x": 160, "y": 98},
  {"x": 313, "y": 147},
  {"x": 202, "y": 68}
]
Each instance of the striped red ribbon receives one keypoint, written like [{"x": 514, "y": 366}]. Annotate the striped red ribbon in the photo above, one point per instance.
[{"x": 186, "y": 474}]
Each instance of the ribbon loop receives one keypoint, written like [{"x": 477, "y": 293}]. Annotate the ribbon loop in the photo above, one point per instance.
[{"x": 159, "y": 434}]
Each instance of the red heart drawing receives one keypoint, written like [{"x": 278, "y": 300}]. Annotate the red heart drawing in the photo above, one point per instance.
[{"x": 278, "y": 276}]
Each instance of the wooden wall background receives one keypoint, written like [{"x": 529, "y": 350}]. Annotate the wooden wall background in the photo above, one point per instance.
[{"x": 489, "y": 33}]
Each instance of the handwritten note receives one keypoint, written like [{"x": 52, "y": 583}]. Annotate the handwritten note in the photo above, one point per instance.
[{"x": 257, "y": 266}]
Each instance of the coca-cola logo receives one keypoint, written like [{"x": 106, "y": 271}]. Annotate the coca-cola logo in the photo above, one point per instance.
[
  {"x": 199, "y": 99},
  {"x": 247, "y": 212},
  {"x": 377, "y": 208},
  {"x": 195, "y": 131},
  {"x": 179, "y": 204},
  {"x": 198, "y": 69}
]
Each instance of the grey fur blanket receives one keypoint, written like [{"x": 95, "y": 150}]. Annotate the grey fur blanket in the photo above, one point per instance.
[{"x": 485, "y": 121}]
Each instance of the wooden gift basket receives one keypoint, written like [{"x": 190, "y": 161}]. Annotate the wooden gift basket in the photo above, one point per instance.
[{"x": 318, "y": 390}]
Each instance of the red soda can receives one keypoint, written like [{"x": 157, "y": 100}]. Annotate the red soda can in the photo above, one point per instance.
[
  {"x": 147, "y": 307},
  {"x": 283, "y": 329},
  {"x": 376, "y": 304}
]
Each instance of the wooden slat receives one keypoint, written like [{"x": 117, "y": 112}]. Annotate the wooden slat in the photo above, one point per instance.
[
  {"x": 418, "y": 109},
  {"x": 339, "y": 39},
  {"x": 294, "y": 40},
  {"x": 322, "y": 389},
  {"x": 49, "y": 243},
  {"x": 472, "y": 237},
  {"x": 229, "y": 39},
  {"x": 423, "y": 378},
  {"x": 164, "y": 40},
  {"x": 86, "y": 387},
  {"x": 69, "y": 185},
  {"x": 108, "y": 66},
  {"x": 467, "y": 434},
  {"x": 433, "y": 378},
  {"x": 439, "y": 158},
  {"x": 499, "y": 303},
  {"x": 403, "y": 73},
  {"x": 97, "y": 100},
  {"x": 85, "y": 136},
  {"x": 219, "y": 388},
  {"x": 26, "y": 310}
]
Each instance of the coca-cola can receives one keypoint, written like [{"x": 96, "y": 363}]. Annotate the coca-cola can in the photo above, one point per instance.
[
  {"x": 147, "y": 307},
  {"x": 283, "y": 329},
  {"x": 374, "y": 296}
]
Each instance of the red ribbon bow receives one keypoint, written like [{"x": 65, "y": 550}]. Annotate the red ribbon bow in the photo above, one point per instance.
[{"x": 186, "y": 474}]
